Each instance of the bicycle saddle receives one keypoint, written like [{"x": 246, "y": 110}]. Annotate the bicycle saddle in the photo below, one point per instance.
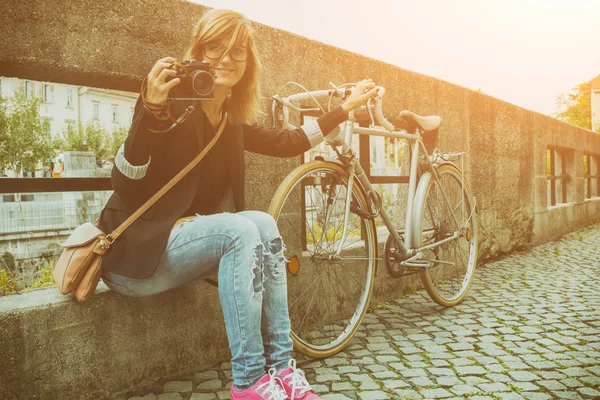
[{"x": 429, "y": 123}]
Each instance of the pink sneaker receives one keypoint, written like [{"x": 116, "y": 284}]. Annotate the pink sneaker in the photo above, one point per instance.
[
  {"x": 295, "y": 384},
  {"x": 267, "y": 388}
]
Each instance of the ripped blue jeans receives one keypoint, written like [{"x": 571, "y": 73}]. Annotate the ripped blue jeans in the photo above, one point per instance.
[{"x": 248, "y": 251}]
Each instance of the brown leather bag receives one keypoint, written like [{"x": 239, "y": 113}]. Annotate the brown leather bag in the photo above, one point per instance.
[{"x": 78, "y": 267}]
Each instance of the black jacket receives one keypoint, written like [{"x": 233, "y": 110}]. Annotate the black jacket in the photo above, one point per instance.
[{"x": 138, "y": 250}]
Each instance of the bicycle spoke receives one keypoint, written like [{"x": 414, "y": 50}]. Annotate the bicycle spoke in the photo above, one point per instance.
[
  {"x": 307, "y": 309},
  {"x": 339, "y": 297},
  {"x": 446, "y": 206},
  {"x": 302, "y": 294},
  {"x": 352, "y": 275}
]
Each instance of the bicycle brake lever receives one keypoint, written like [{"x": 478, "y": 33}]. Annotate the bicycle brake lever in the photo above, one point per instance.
[
  {"x": 340, "y": 92},
  {"x": 277, "y": 98},
  {"x": 369, "y": 103}
]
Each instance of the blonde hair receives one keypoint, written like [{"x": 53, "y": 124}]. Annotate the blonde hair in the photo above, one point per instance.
[{"x": 216, "y": 25}]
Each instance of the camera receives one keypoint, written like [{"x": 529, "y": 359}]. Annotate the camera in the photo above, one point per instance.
[{"x": 197, "y": 81}]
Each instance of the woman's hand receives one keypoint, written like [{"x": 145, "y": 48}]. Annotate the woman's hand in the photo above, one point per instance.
[
  {"x": 158, "y": 89},
  {"x": 362, "y": 92}
]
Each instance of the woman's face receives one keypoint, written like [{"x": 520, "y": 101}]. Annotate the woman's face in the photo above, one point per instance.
[{"x": 229, "y": 67}]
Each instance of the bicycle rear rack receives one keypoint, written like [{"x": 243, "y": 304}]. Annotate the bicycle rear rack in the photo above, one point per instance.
[{"x": 438, "y": 156}]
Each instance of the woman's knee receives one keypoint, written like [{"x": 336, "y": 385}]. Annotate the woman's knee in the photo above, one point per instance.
[
  {"x": 266, "y": 224},
  {"x": 246, "y": 243},
  {"x": 242, "y": 230}
]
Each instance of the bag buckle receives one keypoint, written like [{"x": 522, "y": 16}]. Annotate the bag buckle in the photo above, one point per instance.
[{"x": 109, "y": 241}]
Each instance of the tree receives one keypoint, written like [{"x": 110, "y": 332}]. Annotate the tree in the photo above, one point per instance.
[
  {"x": 576, "y": 106},
  {"x": 3, "y": 133},
  {"x": 24, "y": 137},
  {"x": 119, "y": 135},
  {"x": 92, "y": 137}
]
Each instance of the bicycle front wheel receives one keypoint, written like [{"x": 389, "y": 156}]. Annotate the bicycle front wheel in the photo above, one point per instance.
[
  {"x": 328, "y": 293},
  {"x": 447, "y": 209}
]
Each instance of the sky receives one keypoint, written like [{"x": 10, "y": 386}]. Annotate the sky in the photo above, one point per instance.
[{"x": 527, "y": 52}]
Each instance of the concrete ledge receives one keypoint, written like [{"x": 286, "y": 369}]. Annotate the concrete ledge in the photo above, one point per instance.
[
  {"x": 56, "y": 348},
  {"x": 558, "y": 220}
]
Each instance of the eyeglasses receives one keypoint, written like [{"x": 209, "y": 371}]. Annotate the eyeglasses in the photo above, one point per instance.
[{"x": 216, "y": 51}]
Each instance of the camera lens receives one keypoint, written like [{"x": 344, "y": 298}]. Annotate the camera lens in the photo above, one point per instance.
[{"x": 202, "y": 82}]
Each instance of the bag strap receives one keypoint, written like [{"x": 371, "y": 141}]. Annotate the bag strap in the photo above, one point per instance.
[{"x": 150, "y": 202}]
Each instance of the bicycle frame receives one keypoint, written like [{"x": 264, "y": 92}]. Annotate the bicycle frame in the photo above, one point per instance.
[{"x": 355, "y": 170}]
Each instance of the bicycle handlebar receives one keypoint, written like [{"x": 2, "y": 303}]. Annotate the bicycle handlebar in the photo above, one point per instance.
[
  {"x": 318, "y": 94},
  {"x": 380, "y": 117},
  {"x": 341, "y": 92}
]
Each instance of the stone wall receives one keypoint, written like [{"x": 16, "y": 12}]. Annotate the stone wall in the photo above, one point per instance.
[{"x": 55, "y": 348}]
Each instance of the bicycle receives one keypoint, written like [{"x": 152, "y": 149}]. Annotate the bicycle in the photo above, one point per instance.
[{"x": 327, "y": 208}]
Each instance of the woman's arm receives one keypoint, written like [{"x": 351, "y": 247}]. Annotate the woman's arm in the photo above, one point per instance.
[
  {"x": 289, "y": 143},
  {"x": 133, "y": 160}
]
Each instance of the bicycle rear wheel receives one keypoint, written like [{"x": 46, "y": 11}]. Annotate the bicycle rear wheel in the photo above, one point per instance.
[
  {"x": 447, "y": 207},
  {"x": 328, "y": 296}
]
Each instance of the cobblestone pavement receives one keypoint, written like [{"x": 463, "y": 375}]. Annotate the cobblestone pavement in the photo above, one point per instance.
[{"x": 529, "y": 329}]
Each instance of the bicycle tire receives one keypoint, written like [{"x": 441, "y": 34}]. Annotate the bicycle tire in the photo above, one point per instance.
[
  {"x": 318, "y": 329},
  {"x": 447, "y": 285}
]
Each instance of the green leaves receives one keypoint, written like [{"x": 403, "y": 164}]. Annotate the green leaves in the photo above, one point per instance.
[
  {"x": 24, "y": 137},
  {"x": 93, "y": 137},
  {"x": 577, "y": 106}
]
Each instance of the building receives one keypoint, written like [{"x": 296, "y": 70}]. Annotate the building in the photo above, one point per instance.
[
  {"x": 32, "y": 224},
  {"x": 595, "y": 101},
  {"x": 65, "y": 105}
]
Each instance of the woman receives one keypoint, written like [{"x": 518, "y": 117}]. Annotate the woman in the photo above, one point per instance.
[{"x": 153, "y": 255}]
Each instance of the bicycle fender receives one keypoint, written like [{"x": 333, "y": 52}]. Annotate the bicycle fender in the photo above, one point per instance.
[
  {"x": 438, "y": 164},
  {"x": 329, "y": 159},
  {"x": 420, "y": 194}
]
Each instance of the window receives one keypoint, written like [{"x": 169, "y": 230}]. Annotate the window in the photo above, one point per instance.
[
  {"x": 10, "y": 198},
  {"x": 556, "y": 175},
  {"x": 590, "y": 175},
  {"x": 28, "y": 87},
  {"x": 115, "y": 113},
  {"x": 48, "y": 93},
  {"x": 95, "y": 110},
  {"x": 70, "y": 124},
  {"x": 69, "y": 97}
]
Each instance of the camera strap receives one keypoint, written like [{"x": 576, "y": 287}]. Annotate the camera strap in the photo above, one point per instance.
[
  {"x": 188, "y": 111},
  {"x": 163, "y": 111}
]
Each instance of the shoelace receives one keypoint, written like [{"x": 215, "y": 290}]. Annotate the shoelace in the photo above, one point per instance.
[
  {"x": 297, "y": 380},
  {"x": 272, "y": 390}
]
